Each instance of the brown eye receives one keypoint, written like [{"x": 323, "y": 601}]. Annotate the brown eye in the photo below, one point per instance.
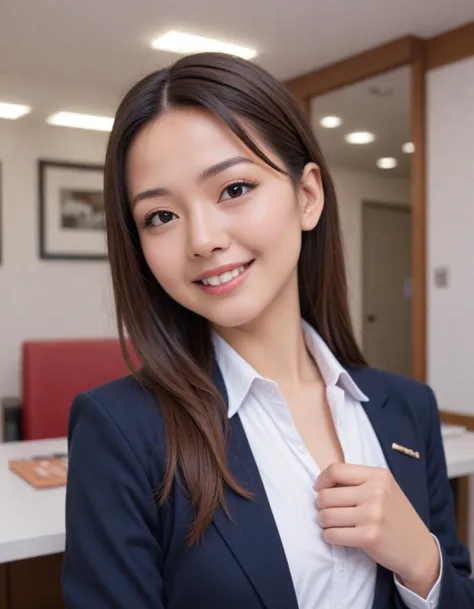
[
  {"x": 157, "y": 218},
  {"x": 238, "y": 189}
]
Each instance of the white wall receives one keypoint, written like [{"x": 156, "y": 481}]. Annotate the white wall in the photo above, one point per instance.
[
  {"x": 451, "y": 233},
  {"x": 450, "y": 239},
  {"x": 353, "y": 188},
  {"x": 39, "y": 298},
  {"x": 47, "y": 299}
]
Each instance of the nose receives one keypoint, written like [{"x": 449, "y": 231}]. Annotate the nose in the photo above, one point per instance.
[{"x": 206, "y": 233}]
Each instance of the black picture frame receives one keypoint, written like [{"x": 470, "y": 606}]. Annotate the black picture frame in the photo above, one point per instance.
[{"x": 45, "y": 165}]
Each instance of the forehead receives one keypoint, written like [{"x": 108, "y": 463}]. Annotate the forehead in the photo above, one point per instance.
[{"x": 184, "y": 142}]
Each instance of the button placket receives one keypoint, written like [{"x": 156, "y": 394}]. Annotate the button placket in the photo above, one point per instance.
[
  {"x": 339, "y": 572},
  {"x": 340, "y": 569}
]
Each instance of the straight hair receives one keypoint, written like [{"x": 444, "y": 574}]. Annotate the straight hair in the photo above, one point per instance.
[{"x": 173, "y": 344}]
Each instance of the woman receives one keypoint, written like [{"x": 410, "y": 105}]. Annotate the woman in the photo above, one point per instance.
[{"x": 254, "y": 461}]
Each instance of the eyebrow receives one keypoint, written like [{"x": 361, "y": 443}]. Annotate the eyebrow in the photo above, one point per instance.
[
  {"x": 222, "y": 166},
  {"x": 205, "y": 175}
]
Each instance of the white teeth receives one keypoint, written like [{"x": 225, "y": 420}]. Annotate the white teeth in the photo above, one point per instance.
[{"x": 224, "y": 277}]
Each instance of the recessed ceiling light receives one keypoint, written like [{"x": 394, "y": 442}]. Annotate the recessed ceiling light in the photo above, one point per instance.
[
  {"x": 360, "y": 137},
  {"x": 185, "y": 44},
  {"x": 81, "y": 121},
  {"x": 408, "y": 148},
  {"x": 330, "y": 122},
  {"x": 13, "y": 111},
  {"x": 387, "y": 163}
]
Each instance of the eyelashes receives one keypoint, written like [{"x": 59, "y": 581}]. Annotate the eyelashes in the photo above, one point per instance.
[
  {"x": 158, "y": 218},
  {"x": 235, "y": 190}
]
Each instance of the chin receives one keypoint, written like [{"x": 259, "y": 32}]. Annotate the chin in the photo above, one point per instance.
[{"x": 233, "y": 316}]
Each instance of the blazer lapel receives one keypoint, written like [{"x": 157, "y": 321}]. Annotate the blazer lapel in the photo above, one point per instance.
[
  {"x": 251, "y": 534},
  {"x": 392, "y": 424}
]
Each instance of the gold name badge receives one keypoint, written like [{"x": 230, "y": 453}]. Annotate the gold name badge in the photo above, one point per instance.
[{"x": 406, "y": 451}]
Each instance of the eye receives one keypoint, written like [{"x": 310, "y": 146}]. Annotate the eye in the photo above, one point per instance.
[
  {"x": 236, "y": 189},
  {"x": 157, "y": 218}
]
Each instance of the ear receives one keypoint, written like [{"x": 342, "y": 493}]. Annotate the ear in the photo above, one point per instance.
[{"x": 310, "y": 197}]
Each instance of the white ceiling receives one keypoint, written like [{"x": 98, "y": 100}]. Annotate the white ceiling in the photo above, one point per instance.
[
  {"x": 387, "y": 117},
  {"x": 105, "y": 43},
  {"x": 82, "y": 55}
]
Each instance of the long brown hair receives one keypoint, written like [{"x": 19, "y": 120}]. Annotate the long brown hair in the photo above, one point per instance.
[{"x": 174, "y": 344}]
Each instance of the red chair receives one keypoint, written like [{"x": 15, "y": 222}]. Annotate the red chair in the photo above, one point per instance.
[{"x": 54, "y": 372}]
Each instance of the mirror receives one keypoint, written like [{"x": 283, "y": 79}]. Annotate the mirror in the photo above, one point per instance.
[{"x": 373, "y": 184}]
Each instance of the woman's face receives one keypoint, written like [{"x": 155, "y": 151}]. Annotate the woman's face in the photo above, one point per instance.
[{"x": 220, "y": 229}]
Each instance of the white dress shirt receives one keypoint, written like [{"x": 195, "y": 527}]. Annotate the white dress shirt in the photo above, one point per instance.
[{"x": 324, "y": 576}]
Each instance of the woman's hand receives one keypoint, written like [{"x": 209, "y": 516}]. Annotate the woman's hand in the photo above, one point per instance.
[{"x": 364, "y": 507}]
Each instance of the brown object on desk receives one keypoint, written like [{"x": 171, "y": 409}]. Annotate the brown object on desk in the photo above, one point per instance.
[{"x": 43, "y": 472}]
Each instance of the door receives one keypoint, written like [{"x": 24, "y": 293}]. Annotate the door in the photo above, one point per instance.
[{"x": 387, "y": 287}]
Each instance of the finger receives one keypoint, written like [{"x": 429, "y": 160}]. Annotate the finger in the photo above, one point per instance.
[
  {"x": 350, "y": 537},
  {"x": 338, "y": 517},
  {"x": 340, "y": 496},
  {"x": 345, "y": 474}
]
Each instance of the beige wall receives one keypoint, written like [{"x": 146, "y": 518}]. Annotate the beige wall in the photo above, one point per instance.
[
  {"x": 451, "y": 233},
  {"x": 451, "y": 239},
  {"x": 43, "y": 299},
  {"x": 49, "y": 299}
]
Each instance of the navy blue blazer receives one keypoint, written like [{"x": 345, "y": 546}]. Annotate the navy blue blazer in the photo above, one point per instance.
[{"x": 124, "y": 552}]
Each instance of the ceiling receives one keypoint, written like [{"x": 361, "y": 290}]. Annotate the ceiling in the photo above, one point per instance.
[
  {"x": 82, "y": 55},
  {"x": 97, "y": 48},
  {"x": 388, "y": 117}
]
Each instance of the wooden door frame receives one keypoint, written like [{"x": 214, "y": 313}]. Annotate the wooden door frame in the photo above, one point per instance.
[
  {"x": 408, "y": 51},
  {"x": 421, "y": 55}
]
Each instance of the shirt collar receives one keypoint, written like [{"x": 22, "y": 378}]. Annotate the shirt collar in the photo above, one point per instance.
[
  {"x": 333, "y": 372},
  {"x": 239, "y": 375}
]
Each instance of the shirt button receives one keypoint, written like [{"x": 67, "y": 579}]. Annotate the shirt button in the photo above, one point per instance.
[
  {"x": 341, "y": 570},
  {"x": 341, "y": 606},
  {"x": 271, "y": 390}
]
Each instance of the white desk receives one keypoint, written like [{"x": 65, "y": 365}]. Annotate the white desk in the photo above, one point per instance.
[
  {"x": 459, "y": 452},
  {"x": 32, "y": 521}
]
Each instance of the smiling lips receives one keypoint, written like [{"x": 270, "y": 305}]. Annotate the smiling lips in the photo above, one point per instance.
[
  {"x": 223, "y": 277},
  {"x": 223, "y": 280}
]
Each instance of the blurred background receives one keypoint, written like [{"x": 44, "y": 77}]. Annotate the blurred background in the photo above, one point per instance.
[{"x": 388, "y": 89}]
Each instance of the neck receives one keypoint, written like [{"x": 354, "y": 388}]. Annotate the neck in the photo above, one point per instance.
[{"x": 274, "y": 343}]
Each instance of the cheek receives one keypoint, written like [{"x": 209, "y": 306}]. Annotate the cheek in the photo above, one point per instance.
[
  {"x": 275, "y": 229},
  {"x": 164, "y": 260}
]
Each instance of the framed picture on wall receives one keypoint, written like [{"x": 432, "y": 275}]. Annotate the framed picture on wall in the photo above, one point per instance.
[{"x": 71, "y": 211}]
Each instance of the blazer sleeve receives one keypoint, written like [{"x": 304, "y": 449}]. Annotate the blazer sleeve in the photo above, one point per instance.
[
  {"x": 112, "y": 556},
  {"x": 457, "y": 590}
]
